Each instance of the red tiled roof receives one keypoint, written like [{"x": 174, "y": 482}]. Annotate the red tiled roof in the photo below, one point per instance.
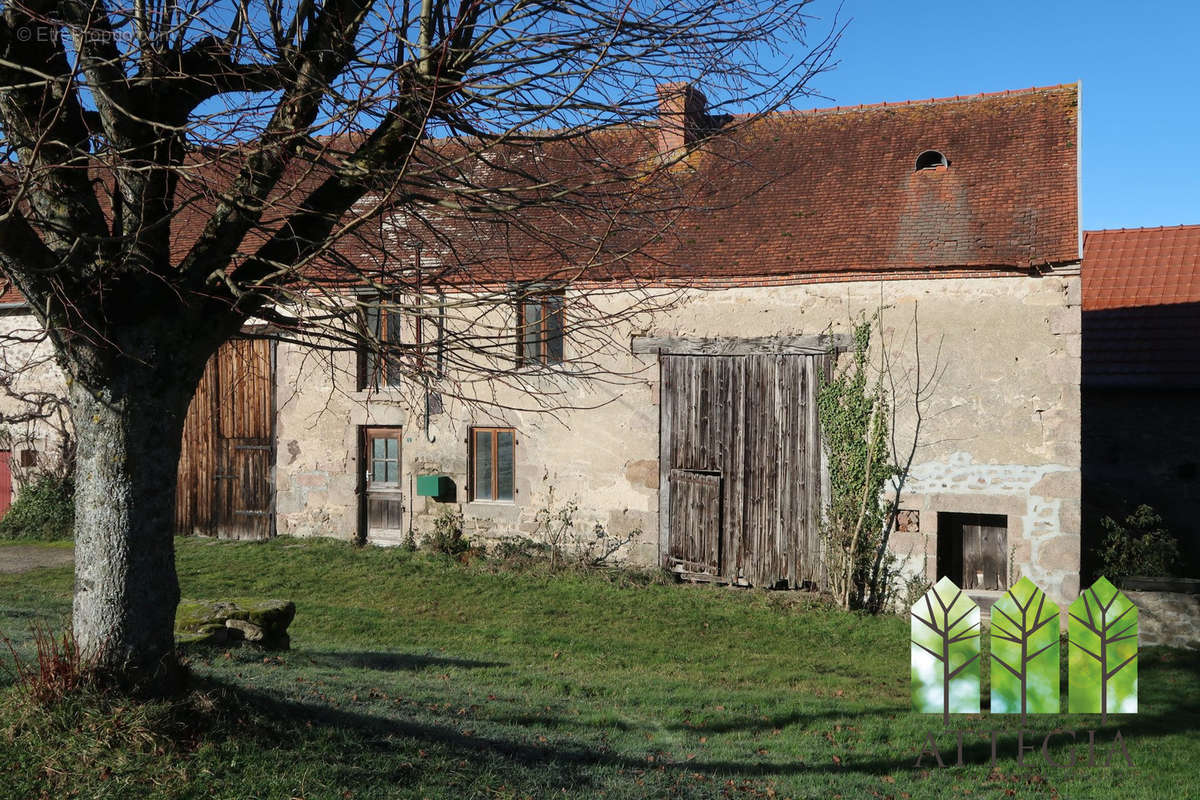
[
  {"x": 1141, "y": 307},
  {"x": 845, "y": 196},
  {"x": 801, "y": 195},
  {"x": 9, "y": 294},
  {"x": 834, "y": 191}
]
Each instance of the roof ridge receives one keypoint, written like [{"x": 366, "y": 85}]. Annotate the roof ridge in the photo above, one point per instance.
[
  {"x": 960, "y": 98},
  {"x": 1144, "y": 228}
]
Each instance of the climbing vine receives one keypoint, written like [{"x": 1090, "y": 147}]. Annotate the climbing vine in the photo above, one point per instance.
[{"x": 854, "y": 421}]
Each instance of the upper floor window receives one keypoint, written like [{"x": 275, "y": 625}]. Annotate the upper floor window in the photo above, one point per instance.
[
  {"x": 379, "y": 362},
  {"x": 540, "y": 327},
  {"x": 429, "y": 331}
]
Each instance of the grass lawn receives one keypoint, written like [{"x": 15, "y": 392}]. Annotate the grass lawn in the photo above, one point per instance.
[{"x": 413, "y": 676}]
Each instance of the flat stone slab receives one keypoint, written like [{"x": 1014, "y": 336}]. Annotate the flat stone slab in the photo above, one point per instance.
[{"x": 263, "y": 622}]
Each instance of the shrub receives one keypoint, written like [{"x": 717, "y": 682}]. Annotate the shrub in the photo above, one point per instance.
[
  {"x": 566, "y": 546},
  {"x": 447, "y": 536},
  {"x": 44, "y": 510},
  {"x": 518, "y": 550},
  {"x": 1138, "y": 545}
]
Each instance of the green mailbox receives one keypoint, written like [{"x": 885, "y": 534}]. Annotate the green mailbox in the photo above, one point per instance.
[{"x": 439, "y": 487}]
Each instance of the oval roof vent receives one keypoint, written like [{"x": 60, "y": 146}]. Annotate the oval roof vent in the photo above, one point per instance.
[{"x": 931, "y": 159}]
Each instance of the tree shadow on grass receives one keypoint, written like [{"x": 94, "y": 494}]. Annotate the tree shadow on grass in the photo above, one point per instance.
[
  {"x": 289, "y": 720},
  {"x": 389, "y": 661},
  {"x": 509, "y": 750}
]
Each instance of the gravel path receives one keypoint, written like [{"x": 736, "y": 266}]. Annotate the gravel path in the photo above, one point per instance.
[{"x": 18, "y": 558}]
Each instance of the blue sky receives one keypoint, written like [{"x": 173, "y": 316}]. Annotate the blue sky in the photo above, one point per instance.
[{"x": 1139, "y": 63}]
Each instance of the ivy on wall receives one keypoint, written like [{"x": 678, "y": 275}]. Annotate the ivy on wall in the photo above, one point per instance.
[{"x": 854, "y": 427}]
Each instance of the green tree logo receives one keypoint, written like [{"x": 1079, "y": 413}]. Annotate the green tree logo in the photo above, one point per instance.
[
  {"x": 1025, "y": 652},
  {"x": 945, "y": 652},
  {"x": 1102, "y": 666}
]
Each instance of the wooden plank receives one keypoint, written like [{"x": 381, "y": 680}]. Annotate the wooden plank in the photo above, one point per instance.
[
  {"x": 821, "y": 371},
  {"x": 759, "y": 345},
  {"x": 732, "y": 461},
  {"x": 698, "y": 577},
  {"x": 790, "y": 469},
  {"x": 971, "y": 555},
  {"x": 666, "y": 425},
  {"x": 993, "y": 546}
]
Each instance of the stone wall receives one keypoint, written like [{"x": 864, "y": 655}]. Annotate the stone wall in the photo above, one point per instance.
[
  {"x": 1000, "y": 432},
  {"x": 1169, "y": 619},
  {"x": 32, "y": 382}
]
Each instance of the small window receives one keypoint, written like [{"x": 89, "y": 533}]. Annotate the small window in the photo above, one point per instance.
[
  {"x": 540, "y": 329},
  {"x": 931, "y": 159},
  {"x": 493, "y": 464},
  {"x": 379, "y": 361}
]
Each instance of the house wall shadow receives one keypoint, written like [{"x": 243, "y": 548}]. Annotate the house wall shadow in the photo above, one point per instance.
[{"x": 1141, "y": 421}]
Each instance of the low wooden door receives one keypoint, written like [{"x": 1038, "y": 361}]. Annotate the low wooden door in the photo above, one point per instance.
[
  {"x": 383, "y": 496},
  {"x": 694, "y": 543},
  {"x": 243, "y": 487},
  {"x": 973, "y": 550},
  {"x": 985, "y": 542}
]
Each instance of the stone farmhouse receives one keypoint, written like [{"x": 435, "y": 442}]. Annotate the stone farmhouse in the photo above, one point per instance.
[{"x": 956, "y": 220}]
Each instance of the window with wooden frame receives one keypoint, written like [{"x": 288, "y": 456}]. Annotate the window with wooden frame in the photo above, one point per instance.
[
  {"x": 429, "y": 331},
  {"x": 379, "y": 362},
  {"x": 493, "y": 464},
  {"x": 540, "y": 327}
]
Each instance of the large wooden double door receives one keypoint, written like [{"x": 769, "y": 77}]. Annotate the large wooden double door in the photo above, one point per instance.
[
  {"x": 740, "y": 457},
  {"x": 226, "y": 467}
]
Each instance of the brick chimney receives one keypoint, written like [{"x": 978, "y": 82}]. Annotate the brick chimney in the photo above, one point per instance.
[{"x": 681, "y": 117}]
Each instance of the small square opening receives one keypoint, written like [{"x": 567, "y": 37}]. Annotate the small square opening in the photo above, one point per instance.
[{"x": 973, "y": 550}]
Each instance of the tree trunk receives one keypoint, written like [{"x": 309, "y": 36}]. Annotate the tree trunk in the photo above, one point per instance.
[{"x": 128, "y": 436}]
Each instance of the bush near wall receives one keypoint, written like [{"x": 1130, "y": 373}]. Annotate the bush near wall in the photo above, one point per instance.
[
  {"x": 44, "y": 510},
  {"x": 1138, "y": 545}
]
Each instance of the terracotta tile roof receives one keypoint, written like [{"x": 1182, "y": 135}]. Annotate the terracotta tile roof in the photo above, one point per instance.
[
  {"x": 1141, "y": 307},
  {"x": 791, "y": 196},
  {"x": 9, "y": 294},
  {"x": 835, "y": 191},
  {"x": 845, "y": 195}
]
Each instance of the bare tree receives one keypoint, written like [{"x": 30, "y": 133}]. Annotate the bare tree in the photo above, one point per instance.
[
  {"x": 909, "y": 388},
  {"x": 175, "y": 170}
]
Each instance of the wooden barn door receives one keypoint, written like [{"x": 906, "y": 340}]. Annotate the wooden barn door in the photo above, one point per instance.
[
  {"x": 742, "y": 464},
  {"x": 226, "y": 485}
]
